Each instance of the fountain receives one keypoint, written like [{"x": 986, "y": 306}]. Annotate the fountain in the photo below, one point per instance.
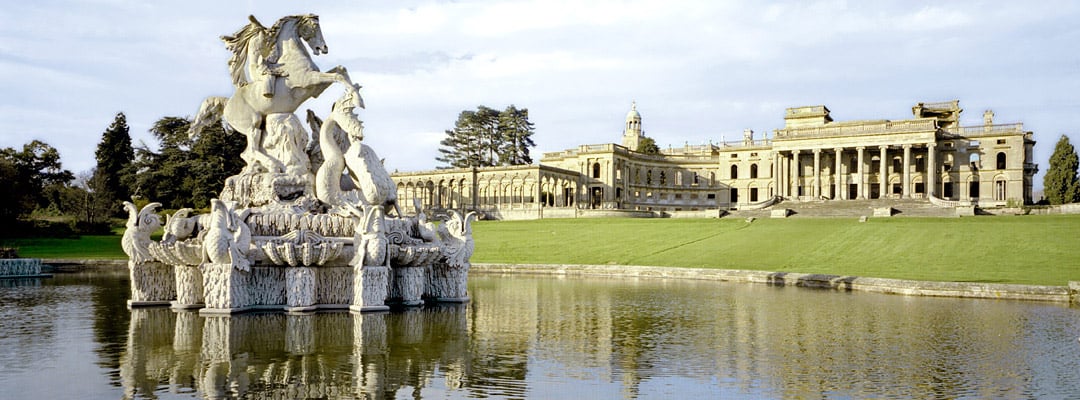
[{"x": 312, "y": 222}]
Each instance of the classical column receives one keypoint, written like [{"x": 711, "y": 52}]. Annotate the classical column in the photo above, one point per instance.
[
  {"x": 794, "y": 173},
  {"x": 906, "y": 185},
  {"x": 883, "y": 172},
  {"x": 862, "y": 174},
  {"x": 817, "y": 174},
  {"x": 837, "y": 178},
  {"x": 775, "y": 169},
  {"x": 931, "y": 169}
]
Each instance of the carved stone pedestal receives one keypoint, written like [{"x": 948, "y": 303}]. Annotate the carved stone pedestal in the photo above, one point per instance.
[
  {"x": 370, "y": 286},
  {"x": 407, "y": 286},
  {"x": 152, "y": 284},
  {"x": 300, "y": 289},
  {"x": 448, "y": 284},
  {"x": 225, "y": 289},
  {"x": 189, "y": 287}
]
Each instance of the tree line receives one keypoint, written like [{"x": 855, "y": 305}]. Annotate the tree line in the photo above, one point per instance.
[{"x": 182, "y": 172}]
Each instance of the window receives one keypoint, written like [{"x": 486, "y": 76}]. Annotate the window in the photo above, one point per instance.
[
  {"x": 753, "y": 194},
  {"x": 1001, "y": 141},
  {"x": 711, "y": 196},
  {"x": 753, "y": 154},
  {"x": 1001, "y": 160},
  {"x": 734, "y": 155},
  {"x": 663, "y": 178},
  {"x": 975, "y": 161},
  {"x": 678, "y": 179},
  {"x": 734, "y": 172},
  {"x": 596, "y": 170},
  {"x": 875, "y": 164},
  {"x": 920, "y": 164},
  {"x": 678, "y": 196},
  {"x": 897, "y": 165},
  {"x": 648, "y": 177},
  {"x": 695, "y": 183},
  {"x": 734, "y": 195},
  {"x": 753, "y": 171}
]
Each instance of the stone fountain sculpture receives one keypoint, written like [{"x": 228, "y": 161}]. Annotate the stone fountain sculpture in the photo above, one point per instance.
[{"x": 312, "y": 222}]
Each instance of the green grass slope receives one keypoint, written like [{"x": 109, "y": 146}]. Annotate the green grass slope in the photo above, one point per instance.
[{"x": 1026, "y": 249}]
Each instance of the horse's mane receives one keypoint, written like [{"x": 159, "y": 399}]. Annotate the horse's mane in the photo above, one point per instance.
[{"x": 238, "y": 43}]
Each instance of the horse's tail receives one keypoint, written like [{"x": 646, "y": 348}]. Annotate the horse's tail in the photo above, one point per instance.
[{"x": 212, "y": 110}]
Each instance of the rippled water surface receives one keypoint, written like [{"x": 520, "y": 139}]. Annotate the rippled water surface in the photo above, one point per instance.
[{"x": 72, "y": 336}]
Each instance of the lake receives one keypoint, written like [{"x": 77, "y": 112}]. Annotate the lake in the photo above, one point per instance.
[{"x": 72, "y": 336}]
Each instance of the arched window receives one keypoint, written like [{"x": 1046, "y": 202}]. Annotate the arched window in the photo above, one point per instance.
[
  {"x": 1001, "y": 160},
  {"x": 596, "y": 170},
  {"x": 734, "y": 172},
  {"x": 975, "y": 161},
  {"x": 753, "y": 172}
]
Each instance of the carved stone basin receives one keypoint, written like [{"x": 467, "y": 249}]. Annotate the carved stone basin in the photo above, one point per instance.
[
  {"x": 188, "y": 252},
  {"x": 414, "y": 255}
]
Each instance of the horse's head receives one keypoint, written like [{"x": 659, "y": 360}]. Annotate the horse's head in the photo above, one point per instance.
[{"x": 308, "y": 28}]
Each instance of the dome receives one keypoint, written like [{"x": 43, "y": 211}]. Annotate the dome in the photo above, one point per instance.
[{"x": 633, "y": 115}]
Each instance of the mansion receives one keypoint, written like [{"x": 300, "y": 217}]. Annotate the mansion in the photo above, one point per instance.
[{"x": 811, "y": 159}]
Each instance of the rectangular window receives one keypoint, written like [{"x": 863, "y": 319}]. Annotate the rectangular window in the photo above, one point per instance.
[
  {"x": 734, "y": 155},
  {"x": 711, "y": 196},
  {"x": 753, "y": 194},
  {"x": 1001, "y": 141},
  {"x": 678, "y": 197}
]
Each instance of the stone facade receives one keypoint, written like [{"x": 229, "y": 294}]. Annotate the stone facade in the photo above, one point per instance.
[{"x": 812, "y": 158}]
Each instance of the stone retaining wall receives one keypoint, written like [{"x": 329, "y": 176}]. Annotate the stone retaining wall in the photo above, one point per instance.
[{"x": 836, "y": 282}]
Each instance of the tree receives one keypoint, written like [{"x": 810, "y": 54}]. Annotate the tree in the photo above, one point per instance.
[
  {"x": 114, "y": 154},
  {"x": 185, "y": 172},
  {"x": 516, "y": 133},
  {"x": 648, "y": 146},
  {"x": 486, "y": 137},
  {"x": 29, "y": 177},
  {"x": 1060, "y": 183}
]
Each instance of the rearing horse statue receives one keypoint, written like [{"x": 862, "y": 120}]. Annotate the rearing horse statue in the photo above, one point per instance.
[{"x": 273, "y": 73}]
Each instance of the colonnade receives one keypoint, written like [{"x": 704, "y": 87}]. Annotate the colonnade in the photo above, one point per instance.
[{"x": 790, "y": 181}]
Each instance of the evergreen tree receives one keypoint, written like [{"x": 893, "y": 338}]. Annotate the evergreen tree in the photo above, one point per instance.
[
  {"x": 516, "y": 132},
  {"x": 115, "y": 155},
  {"x": 1060, "y": 184},
  {"x": 486, "y": 137},
  {"x": 185, "y": 172}
]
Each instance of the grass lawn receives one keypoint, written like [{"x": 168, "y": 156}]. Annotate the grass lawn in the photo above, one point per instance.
[
  {"x": 1038, "y": 250},
  {"x": 85, "y": 247}
]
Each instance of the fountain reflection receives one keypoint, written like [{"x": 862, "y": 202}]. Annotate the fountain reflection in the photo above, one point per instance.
[{"x": 334, "y": 354}]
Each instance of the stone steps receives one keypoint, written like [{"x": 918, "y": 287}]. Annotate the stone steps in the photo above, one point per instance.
[{"x": 853, "y": 209}]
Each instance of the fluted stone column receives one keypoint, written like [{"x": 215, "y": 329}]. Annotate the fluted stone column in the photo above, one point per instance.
[
  {"x": 862, "y": 174},
  {"x": 906, "y": 184},
  {"x": 776, "y": 173},
  {"x": 838, "y": 179},
  {"x": 883, "y": 172},
  {"x": 931, "y": 169},
  {"x": 817, "y": 174}
]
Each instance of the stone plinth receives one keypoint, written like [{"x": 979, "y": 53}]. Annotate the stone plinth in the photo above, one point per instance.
[{"x": 152, "y": 284}]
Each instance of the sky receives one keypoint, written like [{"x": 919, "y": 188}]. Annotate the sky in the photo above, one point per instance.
[{"x": 699, "y": 71}]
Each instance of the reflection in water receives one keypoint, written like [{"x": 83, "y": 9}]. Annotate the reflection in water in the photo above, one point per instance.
[{"x": 542, "y": 337}]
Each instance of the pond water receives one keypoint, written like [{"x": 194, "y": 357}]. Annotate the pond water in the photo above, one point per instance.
[{"x": 71, "y": 336}]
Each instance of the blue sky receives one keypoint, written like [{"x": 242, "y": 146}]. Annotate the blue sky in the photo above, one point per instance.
[{"x": 700, "y": 71}]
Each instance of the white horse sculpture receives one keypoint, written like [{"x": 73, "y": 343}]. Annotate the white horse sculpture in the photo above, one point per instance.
[{"x": 273, "y": 73}]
